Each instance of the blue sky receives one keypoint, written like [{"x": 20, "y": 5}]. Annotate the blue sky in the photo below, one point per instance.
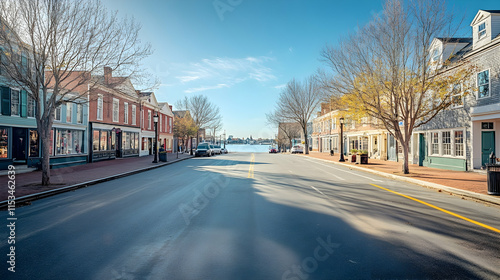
[{"x": 241, "y": 54}]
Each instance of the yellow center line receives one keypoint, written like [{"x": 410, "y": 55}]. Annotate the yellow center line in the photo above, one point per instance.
[
  {"x": 250, "y": 170},
  {"x": 440, "y": 209}
]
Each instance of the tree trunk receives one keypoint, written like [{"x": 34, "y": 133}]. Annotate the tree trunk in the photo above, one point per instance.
[
  {"x": 44, "y": 134},
  {"x": 406, "y": 168}
]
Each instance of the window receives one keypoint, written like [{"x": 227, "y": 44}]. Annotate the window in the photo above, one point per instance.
[
  {"x": 459, "y": 143},
  {"x": 4, "y": 142},
  {"x": 24, "y": 65},
  {"x": 99, "y": 107},
  {"x": 79, "y": 113},
  {"x": 133, "y": 115},
  {"x": 116, "y": 109},
  {"x": 95, "y": 140},
  {"x": 69, "y": 112},
  {"x": 435, "y": 143},
  {"x": 149, "y": 119},
  {"x": 456, "y": 96},
  {"x": 14, "y": 102},
  {"x": 68, "y": 141},
  {"x": 112, "y": 140},
  {"x": 170, "y": 123},
  {"x": 57, "y": 113},
  {"x": 483, "y": 84},
  {"x": 334, "y": 123},
  {"x": 34, "y": 144},
  {"x": 161, "y": 128},
  {"x": 435, "y": 55},
  {"x": 446, "y": 140},
  {"x": 364, "y": 121},
  {"x": 481, "y": 30},
  {"x": 125, "y": 112},
  {"x": 31, "y": 107},
  {"x": 104, "y": 140}
]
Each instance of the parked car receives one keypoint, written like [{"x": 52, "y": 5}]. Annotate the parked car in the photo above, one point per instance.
[
  {"x": 204, "y": 149},
  {"x": 223, "y": 150},
  {"x": 297, "y": 149},
  {"x": 273, "y": 151},
  {"x": 217, "y": 150}
]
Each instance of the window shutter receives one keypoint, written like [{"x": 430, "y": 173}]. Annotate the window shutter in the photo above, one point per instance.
[
  {"x": 24, "y": 104},
  {"x": 5, "y": 101}
]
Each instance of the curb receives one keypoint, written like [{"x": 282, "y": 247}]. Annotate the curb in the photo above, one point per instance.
[
  {"x": 32, "y": 197},
  {"x": 434, "y": 186}
]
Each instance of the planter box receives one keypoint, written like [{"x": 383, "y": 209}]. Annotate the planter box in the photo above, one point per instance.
[
  {"x": 362, "y": 159},
  {"x": 352, "y": 158},
  {"x": 162, "y": 156}
]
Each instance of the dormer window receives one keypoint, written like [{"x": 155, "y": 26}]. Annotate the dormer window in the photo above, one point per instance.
[
  {"x": 435, "y": 55},
  {"x": 481, "y": 30}
]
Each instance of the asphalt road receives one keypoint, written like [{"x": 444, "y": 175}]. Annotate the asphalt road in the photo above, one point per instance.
[{"x": 254, "y": 216}]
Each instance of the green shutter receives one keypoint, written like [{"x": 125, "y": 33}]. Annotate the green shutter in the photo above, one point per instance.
[
  {"x": 24, "y": 104},
  {"x": 5, "y": 101}
]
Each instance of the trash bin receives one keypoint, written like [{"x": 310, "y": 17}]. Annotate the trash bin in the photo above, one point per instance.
[{"x": 493, "y": 178}]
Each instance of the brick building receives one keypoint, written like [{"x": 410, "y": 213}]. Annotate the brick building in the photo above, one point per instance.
[{"x": 114, "y": 118}]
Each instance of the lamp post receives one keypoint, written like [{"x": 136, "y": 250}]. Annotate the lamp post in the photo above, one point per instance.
[
  {"x": 155, "y": 143},
  {"x": 342, "y": 140}
]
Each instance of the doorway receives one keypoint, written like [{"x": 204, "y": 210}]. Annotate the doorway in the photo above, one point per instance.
[
  {"x": 422, "y": 149},
  {"x": 487, "y": 146},
  {"x": 19, "y": 144}
]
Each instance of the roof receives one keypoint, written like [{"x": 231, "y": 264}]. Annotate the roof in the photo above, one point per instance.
[
  {"x": 181, "y": 113},
  {"x": 456, "y": 40},
  {"x": 492, "y": 11}
]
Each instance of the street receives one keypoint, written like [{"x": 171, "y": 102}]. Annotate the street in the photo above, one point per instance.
[{"x": 255, "y": 216}]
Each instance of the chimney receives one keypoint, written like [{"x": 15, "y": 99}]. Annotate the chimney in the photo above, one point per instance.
[
  {"x": 170, "y": 107},
  {"x": 108, "y": 73}
]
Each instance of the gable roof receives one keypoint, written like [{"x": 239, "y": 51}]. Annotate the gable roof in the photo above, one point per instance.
[{"x": 482, "y": 15}]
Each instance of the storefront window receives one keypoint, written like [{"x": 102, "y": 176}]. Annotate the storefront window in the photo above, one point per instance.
[
  {"x": 104, "y": 140},
  {"x": 95, "y": 140},
  {"x": 69, "y": 142},
  {"x": 127, "y": 140},
  {"x": 112, "y": 137},
  {"x": 4, "y": 143},
  {"x": 136, "y": 140},
  {"x": 34, "y": 144}
]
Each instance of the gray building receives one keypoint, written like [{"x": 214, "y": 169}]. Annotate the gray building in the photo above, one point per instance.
[{"x": 463, "y": 136}]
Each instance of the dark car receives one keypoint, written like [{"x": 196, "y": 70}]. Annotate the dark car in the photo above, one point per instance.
[{"x": 204, "y": 149}]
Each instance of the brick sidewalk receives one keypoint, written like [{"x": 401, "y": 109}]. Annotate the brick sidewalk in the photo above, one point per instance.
[
  {"x": 468, "y": 181},
  {"x": 29, "y": 183}
]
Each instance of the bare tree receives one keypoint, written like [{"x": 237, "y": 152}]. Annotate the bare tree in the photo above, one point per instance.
[
  {"x": 201, "y": 109},
  {"x": 298, "y": 102},
  {"x": 215, "y": 126},
  {"x": 52, "y": 47},
  {"x": 385, "y": 70}
]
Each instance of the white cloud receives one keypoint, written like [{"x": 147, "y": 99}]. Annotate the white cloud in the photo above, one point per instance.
[
  {"x": 203, "y": 88},
  {"x": 225, "y": 72},
  {"x": 280, "y": 86}
]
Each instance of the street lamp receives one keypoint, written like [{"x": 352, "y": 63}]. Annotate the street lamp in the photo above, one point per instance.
[
  {"x": 342, "y": 140},
  {"x": 155, "y": 144}
]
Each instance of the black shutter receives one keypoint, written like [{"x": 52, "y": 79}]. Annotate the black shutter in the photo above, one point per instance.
[{"x": 5, "y": 101}]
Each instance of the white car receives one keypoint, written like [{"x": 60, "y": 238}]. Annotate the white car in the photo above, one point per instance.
[
  {"x": 217, "y": 150},
  {"x": 297, "y": 149}
]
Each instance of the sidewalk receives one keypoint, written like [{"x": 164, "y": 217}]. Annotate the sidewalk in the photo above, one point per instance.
[
  {"x": 469, "y": 184},
  {"x": 29, "y": 183}
]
